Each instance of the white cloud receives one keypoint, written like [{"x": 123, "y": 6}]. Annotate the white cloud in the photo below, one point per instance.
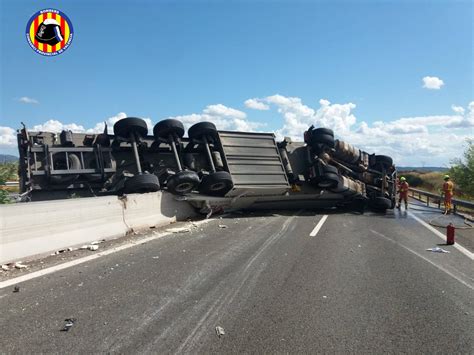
[
  {"x": 432, "y": 82},
  {"x": 57, "y": 126},
  {"x": 409, "y": 140},
  {"x": 225, "y": 118},
  {"x": 256, "y": 104},
  {"x": 7, "y": 137},
  {"x": 434, "y": 139},
  {"x": 28, "y": 100}
]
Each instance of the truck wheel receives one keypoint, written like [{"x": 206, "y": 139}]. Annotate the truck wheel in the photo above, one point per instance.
[
  {"x": 383, "y": 160},
  {"x": 59, "y": 163},
  {"x": 169, "y": 126},
  {"x": 323, "y": 130},
  {"x": 183, "y": 182},
  {"x": 125, "y": 126},
  {"x": 142, "y": 183},
  {"x": 202, "y": 128},
  {"x": 380, "y": 203},
  {"x": 328, "y": 180},
  {"x": 325, "y": 139},
  {"x": 216, "y": 184}
]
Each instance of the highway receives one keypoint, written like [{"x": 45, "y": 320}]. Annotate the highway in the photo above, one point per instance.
[{"x": 280, "y": 281}]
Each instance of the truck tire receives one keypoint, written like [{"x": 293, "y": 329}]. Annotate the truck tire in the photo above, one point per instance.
[
  {"x": 125, "y": 126},
  {"x": 59, "y": 163},
  {"x": 328, "y": 180},
  {"x": 383, "y": 160},
  {"x": 380, "y": 204},
  {"x": 182, "y": 182},
  {"x": 323, "y": 130},
  {"x": 321, "y": 138},
  {"x": 202, "y": 128},
  {"x": 216, "y": 184},
  {"x": 142, "y": 183},
  {"x": 169, "y": 126}
]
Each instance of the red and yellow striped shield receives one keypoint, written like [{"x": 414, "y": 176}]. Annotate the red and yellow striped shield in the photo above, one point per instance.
[{"x": 49, "y": 32}]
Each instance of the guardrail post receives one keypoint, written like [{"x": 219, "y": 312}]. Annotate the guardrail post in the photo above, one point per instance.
[
  {"x": 454, "y": 208},
  {"x": 428, "y": 201},
  {"x": 439, "y": 202}
]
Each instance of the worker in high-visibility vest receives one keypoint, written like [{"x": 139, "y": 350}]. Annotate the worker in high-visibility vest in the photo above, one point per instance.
[
  {"x": 403, "y": 191},
  {"x": 448, "y": 189}
]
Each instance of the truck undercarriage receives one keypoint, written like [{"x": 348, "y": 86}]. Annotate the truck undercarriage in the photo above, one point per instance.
[{"x": 210, "y": 169}]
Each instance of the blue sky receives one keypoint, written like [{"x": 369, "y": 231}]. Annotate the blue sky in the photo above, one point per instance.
[{"x": 159, "y": 59}]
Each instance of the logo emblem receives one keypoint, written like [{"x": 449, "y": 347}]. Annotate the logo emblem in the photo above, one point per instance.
[{"x": 49, "y": 32}]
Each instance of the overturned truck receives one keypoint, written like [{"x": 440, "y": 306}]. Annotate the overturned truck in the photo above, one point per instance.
[{"x": 211, "y": 169}]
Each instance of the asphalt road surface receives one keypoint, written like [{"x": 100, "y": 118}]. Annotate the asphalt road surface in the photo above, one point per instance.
[{"x": 285, "y": 281}]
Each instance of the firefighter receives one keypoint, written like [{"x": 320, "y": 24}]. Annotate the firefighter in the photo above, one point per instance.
[
  {"x": 403, "y": 191},
  {"x": 448, "y": 188}
]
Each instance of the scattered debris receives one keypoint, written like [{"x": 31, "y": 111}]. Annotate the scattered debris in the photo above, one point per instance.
[
  {"x": 325, "y": 296},
  {"x": 6, "y": 267},
  {"x": 19, "y": 265},
  {"x": 179, "y": 230},
  {"x": 220, "y": 331},
  {"x": 91, "y": 247},
  {"x": 69, "y": 323},
  {"x": 156, "y": 257},
  {"x": 16, "y": 289},
  {"x": 222, "y": 226},
  {"x": 437, "y": 250}
]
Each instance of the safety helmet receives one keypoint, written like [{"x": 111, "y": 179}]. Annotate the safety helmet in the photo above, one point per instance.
[
  {"x": 403, "y": 178},
  {"x": 446, "y": 177},
  {"x": 49, "y": 32}
]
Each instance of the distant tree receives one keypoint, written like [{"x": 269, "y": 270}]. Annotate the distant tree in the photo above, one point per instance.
[{"x": 462, "y": 170}]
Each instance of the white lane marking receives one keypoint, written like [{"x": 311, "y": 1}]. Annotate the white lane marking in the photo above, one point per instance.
[
  {"x": 425, "y": 259},
  {"x": 442, "y": 236},
  {"x": 35, "y": 274},
  {"x": 318, "y": 226}
]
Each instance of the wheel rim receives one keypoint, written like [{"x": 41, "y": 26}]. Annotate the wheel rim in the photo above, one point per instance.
[
  {"x": 185, "y": 186},
  {"x": 218, "y": 186}
]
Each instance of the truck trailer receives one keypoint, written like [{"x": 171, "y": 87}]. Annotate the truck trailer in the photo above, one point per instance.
[{"x": 209, "y": 168}]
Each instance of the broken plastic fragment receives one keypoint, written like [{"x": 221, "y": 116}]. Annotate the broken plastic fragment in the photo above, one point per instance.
[
  {"x": 437, "y": 250},
  {"x": 179, "y": 230},
  {"x": 5, "y": 267},
  {"x": 220, "y": 331},
  {"x": 16, "y": 289},
  {"x": 69, "y": 323},
  {"x": 19, "y": 265},
  {"x": 222, "y": 226}
]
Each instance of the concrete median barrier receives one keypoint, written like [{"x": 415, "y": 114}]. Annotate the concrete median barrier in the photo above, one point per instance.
[{"x": 30, "y": 229}]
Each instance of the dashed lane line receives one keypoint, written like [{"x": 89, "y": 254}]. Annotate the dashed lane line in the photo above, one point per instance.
[{"x": 318, "y": 226}]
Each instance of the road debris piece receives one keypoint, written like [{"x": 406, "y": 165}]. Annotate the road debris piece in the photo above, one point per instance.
[
  {"x": 91, "y": 247},
  {"x": 222, "y": 226},
  {"x": 69, "y": 323},
  {"x": 16, "y": 289},
  {"x": 6, "y": 267},
  {"x": 19, "y": 265},
  {"x": 325, "y": 296},
  {"x": 437, "y": 250},
  {"x": 220, "y": 331},
  {"x": 179, "y": 230}
]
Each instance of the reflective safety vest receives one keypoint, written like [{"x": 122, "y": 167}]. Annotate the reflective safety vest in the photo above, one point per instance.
[
  {"x": 448, "y": 188},
  {"x": 403, "y": 188}
]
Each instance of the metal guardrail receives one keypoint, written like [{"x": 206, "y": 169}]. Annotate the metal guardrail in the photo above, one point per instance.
[{"x": 439, "y": 198}]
